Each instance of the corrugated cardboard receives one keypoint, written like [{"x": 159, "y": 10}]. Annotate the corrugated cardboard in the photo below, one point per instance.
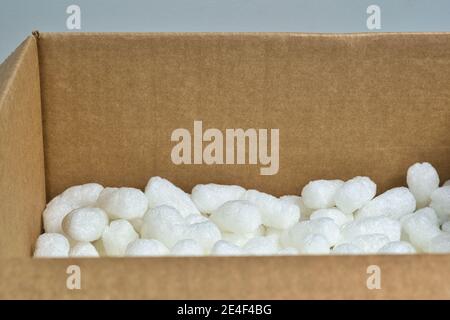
[{"x": 346, "y": 105}]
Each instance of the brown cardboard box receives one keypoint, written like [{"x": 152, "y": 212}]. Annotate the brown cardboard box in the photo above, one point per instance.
[{"x": 76, "y": 108}]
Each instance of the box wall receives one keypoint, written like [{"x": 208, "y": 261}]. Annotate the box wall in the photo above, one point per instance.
[
  {"x": 299, "y": 277},
  {"x": 22, "y": 184},
  {"x": 345, "y": 105}
]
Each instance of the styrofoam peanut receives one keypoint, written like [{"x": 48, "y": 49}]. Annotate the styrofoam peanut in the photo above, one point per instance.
[
  {"x": 439, "y": 244},
  {"x": 262, "y": 245},
  {"x": 325, "y": 227},
  {"x": 85, "y": 224},
  {"x": 237, "y": 239},
  {"x": 440, "y": 202},
  {"x": 72, "y": 198},
  {"x": 187, "y": 247},
  {"x": 274, "y": 212},
  {"x": 51, "y": 245},
  {"x": 354, "y": 194},
  {"x": 393, "y": 203},
  {"x": 54, "y": 214},
  {"x": 225, "y": 248},
  {"x": 380, "y": 225},
  {"x": 195, "y": 218},
  {"x": 238, "y": 216},
  {"x": 117, "y": 236},
  {"x": 84, "y": 195},
  {"x": 205, "y": 233},
  {"x": 347, "y": 249},
  {"x": 397, "y": 247},
  {"x": 123, "y": 203},
  {"x": 422, "y": 180},
  {"x": 335, "y": 214},
  {"x": 370, "y": 243},
  {"x": 209, "y": 197},
  {"x": 288, "y": 251},
  {"x": 165, "y": 224},
  {"x": 421, "y": 229},
  {"x": 305, "y": 212},
  {"x": 446, "y": 226},
  {"x": 83, "y": 250},
  {"x": 160, "y": 192},
  {"x": 320, "y": 194},
  {"x": 146, "y": 248},
  {"x": 314, "y": 244}
]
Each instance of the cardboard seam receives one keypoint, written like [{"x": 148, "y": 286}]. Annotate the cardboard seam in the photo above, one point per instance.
[
  {"x": 256, "y": 34},
  {"x": 37, "y": 36}
]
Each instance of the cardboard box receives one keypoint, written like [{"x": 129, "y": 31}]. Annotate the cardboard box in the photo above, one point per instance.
[{"x": 76, "y": 108}]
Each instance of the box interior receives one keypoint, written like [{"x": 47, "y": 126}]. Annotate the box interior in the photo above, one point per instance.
[
  {"x": 77, "y": 108},
  {"x": 345, "y": 105}
]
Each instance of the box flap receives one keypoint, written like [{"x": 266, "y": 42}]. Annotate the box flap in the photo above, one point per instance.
[{"x": 22, "y": 189}]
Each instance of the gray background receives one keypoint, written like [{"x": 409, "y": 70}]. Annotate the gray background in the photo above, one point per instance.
[{"x": 19, "y": 17}]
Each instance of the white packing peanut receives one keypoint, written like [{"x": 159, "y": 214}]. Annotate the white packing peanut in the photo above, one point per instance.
[
  {"x": 146, "y": 248},
  {"x": 51, "y": 245},
  {"x": 262, "y": 245},
  {"x": 123, "y": 203},
  {"x": 195, "y": 218},
  {"x": 440, "y": 202},
  {"x": 187, "y": 247},
  {"x": 314, "y": 244},
  {"x": 355, "y": 193},
  {"x": 439, "y": 244},
  {"x": 85, "y": 224},
  {"x": 420, "y": 229},
  {"x": 164, "y": 224},
  {"x": 225, "y": 248},
  {"x": 72, "y": 198},
  {"x": 117, "y": 236},
  {"x": 370, "y": 243},
  {"x": 320, "y": 194},
  {"x": 209, "y": 197},
  {"x": 237, "y": 239},
  {"x": 305, "y": 212},
  {"x": 374, "y": 225},
  {"x": 335, "y": 214},
  {"x": 137, "y": 224},
  {"x": 205, "y": 233},
  {"x": 238, "y": 216},
  {"x": 83, "y": 250},
  {"x": 54, "y": 214},
  {"x": 296, "y": 235},
  {"x": 397, "y": 247},
  {"x": 422, "y": 180},
  {"x": 84, "y": 195},
  {"x": 394, "y": 203},
  {"x": 347, "y": 249},
  {"x": 160, "y": 191},
  {"x": 274, "y": 212},
  {"x": 446, "y": 226},
  {"x": 288, "y": 251}
]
